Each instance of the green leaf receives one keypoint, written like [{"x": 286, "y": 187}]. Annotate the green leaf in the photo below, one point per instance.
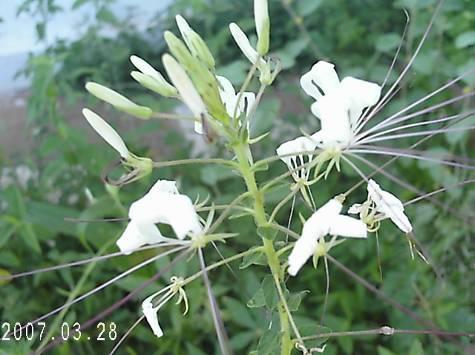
[
  {"x": 294, "y": 300},
  {"x": 257, "y": 258},
  {"x": 267, "y": 232},
  {"x": 258, "y": 300},
  {"x": 465, "y": 39},
  {"x": 239, "y": 313},
  {"x": 269, "y": 344}
]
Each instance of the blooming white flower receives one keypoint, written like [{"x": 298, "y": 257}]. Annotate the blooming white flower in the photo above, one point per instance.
[
  {"x": 186, "y": 89},
  {"x": 326, "y": 220},
  {"x": 151, "y": 314},
  {"x": 162, "y": 204},
  {"x": 107, "y": 132},
  {"x": 387, "y": 204},
  {"x": 291, "y": 154},
  {"x": 229, "y": 97},
  {"x": 338, "y": 105}
]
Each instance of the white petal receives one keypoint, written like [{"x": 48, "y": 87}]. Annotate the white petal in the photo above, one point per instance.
[
  {"x": 360, "y": 94},
  {"x": 146, "y": 68},
  {"x": 198, "y": 127},
  {"x": 107, "y": 132},
  {"x": 184, "y": 85},
  {"x": 137, "y": 235},
  {"x": 228, "y": 96},
  {"x": 243, "y": 42},
  {"x": 170, "y": 208},
  {"x": 332, "y": 111},
  {"x": 355, "y": 209},
  {"x": 302, "y": 251},
  {"x": 319, "y": 223},
  {"x": 165, "y": 186},
  {"x": 247, "y": 101},
  {"x": 183, "y": 26},
  {"x": 389, "y": 205},
  {"x": 321, "y": 79},
  {"x": 348, "y": 227},
  {"x": 151, "y": 314}
]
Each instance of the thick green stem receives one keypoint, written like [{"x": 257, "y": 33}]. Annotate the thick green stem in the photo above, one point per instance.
[{"x": 241, "y": 150}]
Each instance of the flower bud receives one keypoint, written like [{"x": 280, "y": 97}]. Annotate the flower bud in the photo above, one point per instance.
[
  {"x": 261, "y": 17},
  {"x": 106, "y": 131},
  {"x": 195, "y": 43},
  {"x": 185, "y": 88},
  {"x": 119, "y": 101},
  {"x": 150, "y": 78}
]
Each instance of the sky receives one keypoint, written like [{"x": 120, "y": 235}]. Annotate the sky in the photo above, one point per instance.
[{"x": 18, "y": 38}]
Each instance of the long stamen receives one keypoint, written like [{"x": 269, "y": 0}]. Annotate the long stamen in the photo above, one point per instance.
[
  {"x": 412, "y": 125},
  {"x": 417, "y": 134},
  {"x": 217, "y": 319},
  {"x": 388, "y": 73},
  {"x": 394, "y": 119},
  {"x": 85, "y": 261},
  {"x": 421, "y": 100},
  {"x": 126, "y": 334},
  {"x": 406, "y": 185},
  {"x": 94, "y": 320},
  {"x": 411, "y": 61},
  {"x": 411, "y": 156},
  {"x": 104, "y": 285},
  {"x": 435, "y": 192}
]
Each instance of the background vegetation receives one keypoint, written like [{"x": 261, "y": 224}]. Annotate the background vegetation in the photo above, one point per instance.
[{"x": 360, "y": 37}]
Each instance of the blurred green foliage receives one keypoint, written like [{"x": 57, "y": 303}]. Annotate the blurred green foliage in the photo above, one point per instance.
[{"x": 360, "y": 37}]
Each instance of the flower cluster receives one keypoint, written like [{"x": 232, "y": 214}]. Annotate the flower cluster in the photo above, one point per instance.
[{"x": 343, "y": 109}]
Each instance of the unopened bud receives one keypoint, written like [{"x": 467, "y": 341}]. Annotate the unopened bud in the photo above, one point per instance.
[
  {"x": 261, "y": 17},
  {"x": 151, "y": 78},
  {"x": 119, "y": 101}
]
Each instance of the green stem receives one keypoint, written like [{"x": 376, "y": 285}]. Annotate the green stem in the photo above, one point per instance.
[{"x": 260, "y": 218}]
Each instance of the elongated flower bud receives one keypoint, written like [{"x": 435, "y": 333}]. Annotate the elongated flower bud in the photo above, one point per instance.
[
  {"x": 195, "y": 43},
  {"x": 261, "y": 17},
  {"x": 106, "y": 131},
  {"x": 185, "y": 88},
  {"x": 119, "y": 101},
  {"x": 151, "y": 78}
]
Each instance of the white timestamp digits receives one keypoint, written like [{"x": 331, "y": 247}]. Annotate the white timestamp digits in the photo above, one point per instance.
[{"x": 16, "y": 331}]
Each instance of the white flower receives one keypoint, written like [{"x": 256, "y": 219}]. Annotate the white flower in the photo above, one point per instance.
[
  {"x": 326, "y": 220},
  {"x": 186, "y": 89},
  {"x": 136, "y": 235},
  {"x": 387, "y": 204},
  {"x": 151, "y": 314},
  {"x": 295, "y": 158},
  {"x": 163, "y": 204},
  {"x": 107, "y": 132},
  {"x": 338, "y": 105},
  {"x": 229, "y": 97}
]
